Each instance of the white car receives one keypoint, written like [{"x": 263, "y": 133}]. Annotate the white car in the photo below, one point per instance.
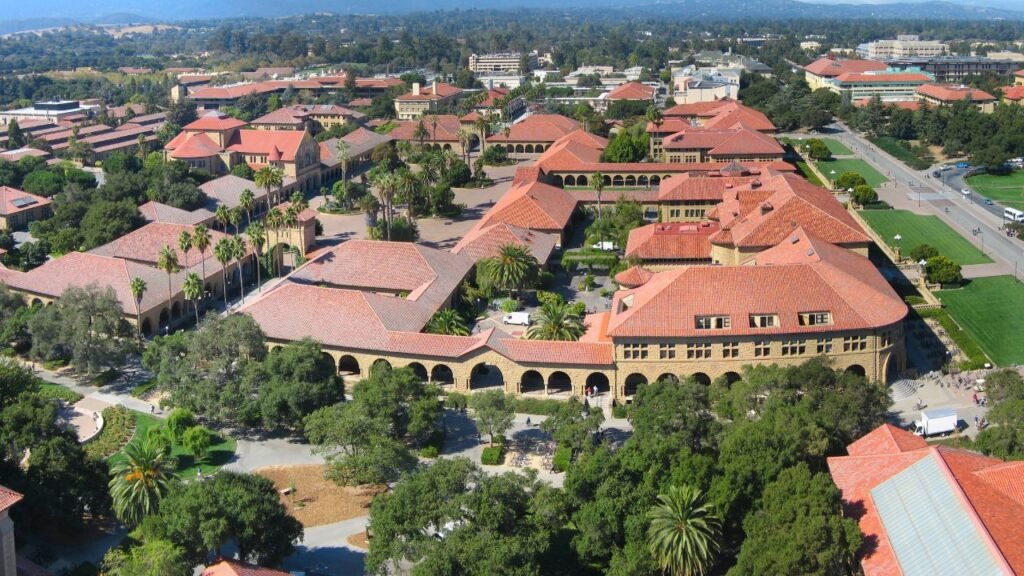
[
  {"x": 516, "y": 319},
  {"x": 966, "y": 192}
]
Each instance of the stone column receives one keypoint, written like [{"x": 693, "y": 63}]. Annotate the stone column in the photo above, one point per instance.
[{"x": 7, "y": 564}]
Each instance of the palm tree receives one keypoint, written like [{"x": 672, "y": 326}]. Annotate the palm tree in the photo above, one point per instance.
[
  {"x": 167, "y": 260},
  {"x": 433, "y": 125},
  {"x": 420, "y": 133},
  {"x": 247, "y": 201},
  {"x": 140, "y": 480},
  {"x": 222, "y": 251},
  {"x": 267, "y": 178},
  {"x": 185, "y": 244},
  {"x": 257, "y": 237},
  {"x": 684, "y": 532},
  {"x": 556, "y": 320},
  {"x": 193, "y": 289},
  {"x": 512, "y": 269},
  {"x": 597, "y": 183},
  {"x": 407, "y": 184},
  {"x": 138, "y": 288},
  {"x": 274, "y": 221},
  {"x": 235, "y": 218},
  {"x": 223, "y": 215},
  {"x": 237, "y": 253},
  {"x": 482, "y": 123},
  {"x": 404, "y": 150},
  {"x": 201, "y": 241},
  {"x": 465, "y": 139},
  {"x": 654, "y": 116},
  {"x": 385, "y": 184},
  {"x": 298, "y": 201},
  {"x": 448, "y": 321},
  {"x": 341, "y": 151}
]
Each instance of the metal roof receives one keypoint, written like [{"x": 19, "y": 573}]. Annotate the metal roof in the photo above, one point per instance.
[{"x": 928, "y": 526}]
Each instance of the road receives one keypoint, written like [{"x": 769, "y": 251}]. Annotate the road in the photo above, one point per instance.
[{"x": 962, "y": 214}]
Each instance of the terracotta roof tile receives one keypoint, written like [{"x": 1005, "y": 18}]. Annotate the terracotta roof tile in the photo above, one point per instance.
[
  {"x": 632, "y": 91},
  {"x": 187, "y": 146},
  {"x": 886, "y": 439},
  {"x": 266, "y": 142},
  {"x": 447, "y": 129},
  {"x": 533, "y": 205},
  {"x": 157, "y": 212},
  {"x": 633, "y": 277},
  {"x": 1013, "y": 92},
  {"x": 954, "y": 93},
  {"x": 671, "y": 241},
  {"x": 728, "y": 142},
  {"x": 230, "y": 568},
  {"x": 485, "y": 241},
  {"x": 214, "y": 122},
  {"x": 13, "y": 201},
  {"x": 538, "y": 128},
  {"x": 893, "y": 78},
  {"x": 8, "y": 498},
  {"x": 831, "y": 67}
]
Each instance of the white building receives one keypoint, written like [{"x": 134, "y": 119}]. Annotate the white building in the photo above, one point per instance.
[
  {"x": 502, "y": 62},
  {"x": 692, "y": 84},
  {"x": 906, "y": 46},
  {"x": 53, "y": 111}
]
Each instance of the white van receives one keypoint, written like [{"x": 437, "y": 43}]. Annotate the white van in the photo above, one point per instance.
[
  {"x": 516, "y": 318},
  {"x": 1013, "y": 215}
]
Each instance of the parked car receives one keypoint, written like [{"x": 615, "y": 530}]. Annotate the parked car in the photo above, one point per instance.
[
  {"x": 516, "y": 319},
  {"x": 962, "y": 165}
]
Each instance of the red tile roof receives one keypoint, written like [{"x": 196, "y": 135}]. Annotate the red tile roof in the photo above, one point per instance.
[
  {"x": 538, "y": 128},
  {"x": 187, "y": 146},
  {"x": 8, "y": 498},
  {"x": 825, "y": 278},
  {"x": 704, "y": 188},
  {"x": 729, "y": 142},
  {"x": 143, "y": 245},
  {"x": 724, "y": 113},
  {"x": 990, "y": 488},
  {"x": 953, "y": 93},
  {"x": 632, "y": 91},
  {"x": 231, "y": 568},
  {"x": 157, "y": 212},
  {"x": 633, "y": 277},
  {"x": 533, "y": 205},
  {"x": 831, "y": 67},
  {"x": 360, "y": 141},
  {"x": 427, "y": 92},
  {"x": 214, "y": 122},
  {"x": 671, "y": 241},
  {"x": 485, "y": 241},
  {"x": 10, "y": 198},
  {"x": 285, "y": 143},
  {"x": 764, "y": 212},
  {"x": 447, "y": 129},
  {"x": 1013, "y": 92}
]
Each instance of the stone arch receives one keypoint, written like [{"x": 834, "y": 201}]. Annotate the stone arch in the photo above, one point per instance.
[
  {"x": 442, "y": 374},
  {"x": 607, "y": 180},
  {"x": 348, "y": 365},
  {"x": 164, "y": 316},
  {"x": 559, "y": 382},
  {"x": 892, "y": 368},
  {"x": 510, "y": 148},
  {"x": 329, "y": 359},
  {"x": 570, "y": 180},
  {"x": 642, "y": 181},
  {"x": 485, "y": 375},
  {"x": 447, "y": 147},
  {"x": 36, "y": 302},
  {"x": 732, "y": 378},
  {"x": 420, "y": 371},
  {"x": 617, "y": 180},
  {"x": 630, "y": 180},
  {"x": 655, "y": 180},
  {"x": 378, "y": 364},
  {"x": 176, "y": 310},
  {"x": 519, "y": 149},
  {"x": 529, "y": 149},
  {"x": 598, "y": 383},
  {"x": 581, "y": 180},
  {"x": 701, "y": 378},
  {"x": 632, "y": 384},
  {"x": 147, "y": 328},
  {"x": 538, "y": 148},
  {"x": 856, "y": 369},
  {"x": 668, "y": 377},
  {"x": 557, "y": 180},
  {"x": 531, "y": 381}
]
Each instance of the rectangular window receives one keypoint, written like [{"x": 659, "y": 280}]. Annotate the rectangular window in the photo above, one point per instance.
[
  {"x": 824, "y": 346},
  {"x": 886, "y": 339},
  {"x": 634, "y": 351},
  {"x": 667, "y": 351},
  {"x": 815, "y": 318},
  {"x": 698, "y": 351},
  {"x": 731, "y": 350},
  {"x": 674, "y": 213},
  {"x": 793, "y": 347},
  {"x": 764, "y": 320},
  {"x": 713, "y": 322},
  {"x": 762, "y": 348},
  {"x": 855, "y": 343}
]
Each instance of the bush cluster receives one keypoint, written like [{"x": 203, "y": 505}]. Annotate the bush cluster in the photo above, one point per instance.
[
  {"x": 562, "y": 459},
  {"x": 492, "y": 455}
]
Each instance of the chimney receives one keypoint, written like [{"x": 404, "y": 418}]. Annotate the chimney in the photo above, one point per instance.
[
  {"x": 433, "y": 87},
  {"x": 766, "y": 208},
  {"x": 415, "y": 88}
]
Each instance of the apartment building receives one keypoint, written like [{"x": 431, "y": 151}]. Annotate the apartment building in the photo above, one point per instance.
[
  {"x": 503, "y": 62},
  {"x": 904, "y": 46}
]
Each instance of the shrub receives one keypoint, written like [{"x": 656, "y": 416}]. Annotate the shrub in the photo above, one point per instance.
[
  {"x": 509, "y": 305},
  {"x": 180, "y": 420},
  {"x": 923, "y": 252},
  {"x": 429, "y": 452},
  {"x": 491, "y": 456},
  {"x": 54, "y": 391},
  {"x": 620, "y": 411},
  {"x": 197, "y": 440},
  {"x": 144, "y": 388},
  {"x": 562, "y": 459},
  {"x": 537, "y": 406},
  {"x": 456, "y": 401},
  {"x": 118, "y": 427},
  {"x": 864, "y": 194},
  {"x": 498, "y": 440},
  {"x": 495, "y": 155},
  {"x": 942, "y": 270}
]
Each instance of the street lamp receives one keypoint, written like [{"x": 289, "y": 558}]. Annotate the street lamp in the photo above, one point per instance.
[
  {"x": 833, "y": 174},
  {"x": 899, "y": 255}
]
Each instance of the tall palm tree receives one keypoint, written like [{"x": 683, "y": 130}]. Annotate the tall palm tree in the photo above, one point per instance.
[
  {"x": 223, "y": 251},
  {"x": 433, "y": 124},
  {"x": 223, "y": 215},
  {"x": 185, "y": 244},
  {"x": 597, "y": 183},
  {"x": 269, "y": 177},
  {"x": 298, "y": 200},
  {"x": 448, "y": 321},
  {"x": 407, "y": 184},
  {"x": 404, "y": 150},
  {"x": 384, "y": 182},
  {"x": 465, "y": 139},
  {"x": 201, "y": 241},
  {"x": 167, "y": 260},
  {"x": 238, "y": 250},
  {"x": 420, "y": 133},
  {"x": 344, "y": 156},
  {"x": 684, "y": 533},
  {"x": 138, "y": 288},
  {"x": 556, "y": 320},
  {"x": 257, "y": 237},
  {"x": 514, "y": 268},
  {"x": 140, "y": 480},
  {"x": 235, "y": 218},
  {"x": 193, "y": 290},
  {"x": 482, "y": 123},
  {"x": 290, "y": 222},
  {"x": 274, "y": 221},
  {"x": 247, "y": 201}
]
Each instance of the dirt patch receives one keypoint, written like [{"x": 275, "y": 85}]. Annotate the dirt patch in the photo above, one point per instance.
[
  {"x": 360, "y": 540},
  {"x": 314, "y": 500}
]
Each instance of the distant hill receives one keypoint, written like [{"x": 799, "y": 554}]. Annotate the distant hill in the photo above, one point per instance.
[{"x": 31, "y": 15}]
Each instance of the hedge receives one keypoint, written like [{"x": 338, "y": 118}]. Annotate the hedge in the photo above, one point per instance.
[
  {"x": 620, "y": 411},
  {"x": 58, "y": 392},
  {"x": 491, "y": 455},
  {"x": 562, "y": 459},
  {"x": 429, "y": 451}
]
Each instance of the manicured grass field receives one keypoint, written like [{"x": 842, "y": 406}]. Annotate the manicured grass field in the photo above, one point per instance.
[
  {"x": 916, "y": 230},
  {"x": 809, "y": 174},
  {"x": 834, "y": 146},
  {"x": 220, "y": 453},
  {"x": 1007, "y": 190},
  {"x": 988, "y": 309},
  {"x": 874, "y": 178}
]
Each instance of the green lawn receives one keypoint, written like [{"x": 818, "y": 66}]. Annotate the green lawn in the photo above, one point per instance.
[
  {"x": 834, "y": 146},
  {"x": 988, "y": 309},
  {"x": 1007, "y": 189},
  {"x": 809, "y": 174},
  {"x": 916, "y": 230},
  {"x": 219, "y": 455},
  {"x": 874, "y": 178}
]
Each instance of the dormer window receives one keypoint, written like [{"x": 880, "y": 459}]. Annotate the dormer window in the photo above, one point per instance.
[
  {"x": 815, "y": 318},
  {"x": 764, "y": 320},
  {"x": 712, "y": 322}
]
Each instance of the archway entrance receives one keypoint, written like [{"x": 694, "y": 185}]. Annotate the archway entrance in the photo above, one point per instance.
[
  {"x": 632, "y": 385},
  {"x": 559, "y": 383},
  {"x": 531, "y": 382},
  {"x": 731, "y": 378},
  {"x": 701, "y": 378},
  {"x": 857, "y": 369},
  {"x": 147, "y": 328},
  {"x": 598, "y": 384},
  {"x": 420, "y": 371},
  {"x": 348, "y": 365},
  {"x": 668, "y": 378},
  {"x": 485, "y": 376},
  {"x": 379, "y": 364},
  {"x": 442, "y": 375}
]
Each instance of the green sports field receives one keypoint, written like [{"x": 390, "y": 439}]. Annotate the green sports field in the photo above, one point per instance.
[
  {"x": 873, "y": 177},
  {"x": 916, "y": 230},
  {"x": 989, "y": 310},
  {"x": 1007, "y": 190},
  {"x": 834, "y": 146}
]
